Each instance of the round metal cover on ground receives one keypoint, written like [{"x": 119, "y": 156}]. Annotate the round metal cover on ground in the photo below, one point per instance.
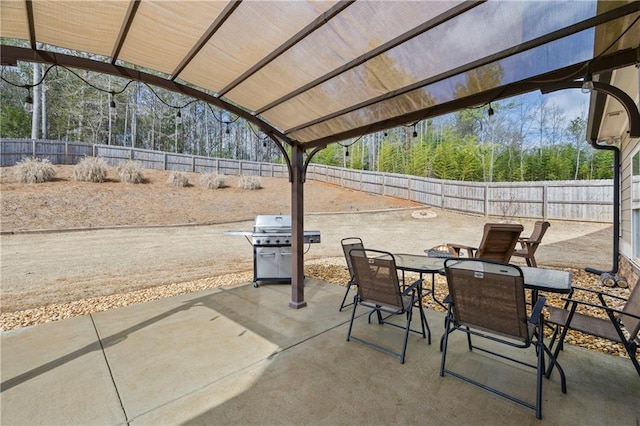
[
  {"x": 439, "y": 251},
  {"x": 424, "y": 214}
]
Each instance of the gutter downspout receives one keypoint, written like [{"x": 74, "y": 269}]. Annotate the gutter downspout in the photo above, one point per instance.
[{"x": 616, "y": 212}]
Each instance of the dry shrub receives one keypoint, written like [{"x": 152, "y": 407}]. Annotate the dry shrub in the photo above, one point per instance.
[
  {"x": 90, "y": 169},
  {"x": 178, "y": 179},
  {"x": 249, "y": 182},
  {"x": 131, "y": 172},
  {"x": 33, "y": 170},
  {"x": 212, "y": 181}
]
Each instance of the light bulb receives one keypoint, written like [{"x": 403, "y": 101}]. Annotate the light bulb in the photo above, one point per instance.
[
  {"x": 28, "y": 103},
  {"x": 587, "y": 85}
]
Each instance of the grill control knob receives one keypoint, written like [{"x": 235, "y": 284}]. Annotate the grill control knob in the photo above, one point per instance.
[
  {"x": 277, "y": 241},
  {"x": 257, "y": 241}
]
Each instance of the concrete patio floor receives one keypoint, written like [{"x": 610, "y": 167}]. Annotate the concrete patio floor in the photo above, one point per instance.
[{"x": 241, "y": 356}]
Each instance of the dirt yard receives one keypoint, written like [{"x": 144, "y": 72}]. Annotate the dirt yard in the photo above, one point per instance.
[{"x": 132, "y": 243}]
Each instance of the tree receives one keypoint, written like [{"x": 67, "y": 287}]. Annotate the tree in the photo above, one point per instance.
[{"x": 577, "y": 128}]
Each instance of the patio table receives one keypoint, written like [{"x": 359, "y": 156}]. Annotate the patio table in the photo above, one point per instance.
[
  {"x": 421, "y": 264},
  {"x": 535, "y": 279}
]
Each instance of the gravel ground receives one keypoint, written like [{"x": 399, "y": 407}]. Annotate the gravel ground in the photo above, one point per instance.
[
  {"x": 65, "y": 204},
  {"x": 331, "y": 270}
]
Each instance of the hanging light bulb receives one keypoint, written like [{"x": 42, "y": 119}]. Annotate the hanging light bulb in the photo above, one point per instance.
[
  {"x": 264, "y": 143},
  {"x": 178, "y": 117},
  {"x": 28, "y": 102},
  {"x": 587, "y": 85},
  {"x": 346, "y": 152},
  {"x": 490, "y": 113},
  {"x": 414, "y": 134},
  {"x": 112, "y": 106},
  {"x": 227, "y": 131}
]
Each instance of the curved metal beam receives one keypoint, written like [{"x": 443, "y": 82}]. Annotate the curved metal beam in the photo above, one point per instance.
[
  {"x": 626, "y": 100},
  {"x": 285, "y": 154},
  {"x": 12, "y": 54},
  {"x": 306, "y": 162}
]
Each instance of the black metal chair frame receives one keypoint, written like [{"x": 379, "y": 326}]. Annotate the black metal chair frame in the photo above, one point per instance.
[
  {"x": 348, "y": 244},
  {"x": 562, "y": 319},
  {"x": 534, "y": 336},
  {"x": 410, "y": 291}
]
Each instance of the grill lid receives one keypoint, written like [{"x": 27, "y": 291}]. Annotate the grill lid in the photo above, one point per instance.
[{"x": 272, "y": 224}]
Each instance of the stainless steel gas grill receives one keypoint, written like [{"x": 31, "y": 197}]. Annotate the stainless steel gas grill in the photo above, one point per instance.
[{"x": 271, "y": 241}]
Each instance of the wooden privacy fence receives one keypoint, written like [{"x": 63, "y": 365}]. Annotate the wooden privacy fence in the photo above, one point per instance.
[
  {"x": 589, "y": 201},
  {"x": 58, "y": 152}
]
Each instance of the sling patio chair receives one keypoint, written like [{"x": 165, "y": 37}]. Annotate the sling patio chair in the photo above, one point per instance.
[
  {"x": 498, "y": 243},
  {"x": 487, "y": 299},
  {"x": 619, "y": 325},
  {"x": 530, "y": 244},
  {"x": 380, "y": 290},
  {"x": 348, "y": 244}
]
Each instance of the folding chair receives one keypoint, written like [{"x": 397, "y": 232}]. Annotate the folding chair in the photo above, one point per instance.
[
  {"x": 487, "y": 299},
  {"x": 498, "y": 243},
  {"x": 530, "y": 244},
  {"x": 348, "y": 244},
  {"x": 380, "y": 290},
  {"x": 620, "y": 325}
]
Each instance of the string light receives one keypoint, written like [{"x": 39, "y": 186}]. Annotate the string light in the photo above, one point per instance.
[
  {"x": 28, "y": 102},
  {"x": 178, "y": 117},
  {"x": 112, "y": 105},
  {"x": 490, "y": 112},
  {"x": 587, "y": 85}
]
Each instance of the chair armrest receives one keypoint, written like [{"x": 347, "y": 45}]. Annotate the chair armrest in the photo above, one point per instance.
[
  {"x": 603, "y": 307},
  {"x": 455, "y": 249},
  {"x": 537, "y": 310},
  {"x": 598, "y": 292},
  {"x": 412, "y": 287}
]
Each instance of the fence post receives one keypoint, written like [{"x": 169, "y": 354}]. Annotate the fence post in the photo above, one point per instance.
[
  {"x": 486, "y": 199},
  {"x": 66, "y": 153},
  {"x": 545, "y": 201},
  {"x": 409, "y": 188},
  {"x": 164, "y": 161},
  {"x": 193, "y": 163}
]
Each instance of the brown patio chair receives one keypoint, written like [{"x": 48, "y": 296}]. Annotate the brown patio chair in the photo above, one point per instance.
[
  {"x": 530, "y": 244},
  {"x": 498, "y": 243},
  {"x": 487, "y": 299},
  {"x": 348, "y": 244},
  {"x": 620, "y": 325},
  {"x": 380, "y": 290}
]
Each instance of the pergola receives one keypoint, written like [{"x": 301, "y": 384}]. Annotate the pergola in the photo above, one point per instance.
[{"x": 310, "y": 73}]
